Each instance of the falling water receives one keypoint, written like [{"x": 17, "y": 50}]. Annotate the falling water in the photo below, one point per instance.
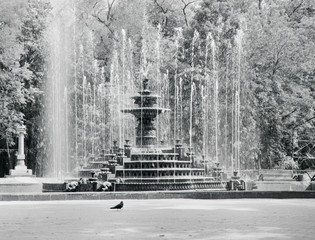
[
  {"x": 112, "y": 96},
  {"x": 192, "y": 88},
  {"x": 216, "y": 99},
  {"x": 93, "y": 118},
  {"x": 102, "y": 106},
  {"x": 176, "y": 87},
  {"x": 239, "y": 38},
  {"x": 66, "y": 103},
  {"x": 84, "y": 117},
  {"x": 166, "y": 91},
  {"x": 89, "y": 118},
  {"x": 237, "y": 132},
  {"x": 116, "y": 103},
  {"x": 144, "y": 65},
  {"x": 203, "y": 117},
  {"x": 181, "y": 108},
  {"x": 75, "y": 75},
  {"x": 158, "y": 79},
  {"x": 206, "y": 101},
  {"x": 123, "y": 84},
  {"x": 59, "y": 36},
  {"x": 111, "y": 104},
  {"x": 226, "y": 122},
  {"x": 131, "y": 80}
]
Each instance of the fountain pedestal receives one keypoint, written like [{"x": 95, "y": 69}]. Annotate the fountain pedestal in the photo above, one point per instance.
[
  {"x": 146, "y": 113},
  {"x": 20, "y": 169},
  {"x": 236, "y": 183}
]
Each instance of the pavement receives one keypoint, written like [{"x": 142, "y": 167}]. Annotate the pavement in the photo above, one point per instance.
[
  {"x": 16, "y": 180},
  {"x": 24, "y": 184},
  {"x": 159, "y": 219}
]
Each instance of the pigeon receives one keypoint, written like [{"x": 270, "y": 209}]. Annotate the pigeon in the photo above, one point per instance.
[{"x": 118, "y": 206}]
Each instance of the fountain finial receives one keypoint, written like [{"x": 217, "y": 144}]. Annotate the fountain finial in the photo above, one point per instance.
[{"x": 145, "y": 83}]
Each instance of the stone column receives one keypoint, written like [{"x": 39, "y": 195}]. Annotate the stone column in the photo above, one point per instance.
[
  {"x": 21, "y": 156},
  {"x": 20, "y": 167}
]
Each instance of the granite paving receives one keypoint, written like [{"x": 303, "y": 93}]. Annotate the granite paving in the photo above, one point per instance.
[{"x": 159, "y": 219}]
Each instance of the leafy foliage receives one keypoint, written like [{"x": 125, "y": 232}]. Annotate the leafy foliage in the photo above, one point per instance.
[
  {"x": 244, "y": 70},
  {"x": 22, "y": 68}
]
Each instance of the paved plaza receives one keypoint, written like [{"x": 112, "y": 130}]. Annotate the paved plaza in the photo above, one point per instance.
[{"x": 159, "y": 219}]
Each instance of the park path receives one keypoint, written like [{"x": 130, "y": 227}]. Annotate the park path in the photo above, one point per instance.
[{"x": 159, "y": 219}]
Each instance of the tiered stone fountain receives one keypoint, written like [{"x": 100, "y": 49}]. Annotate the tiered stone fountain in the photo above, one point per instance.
[{"x": 149, "y": 166}]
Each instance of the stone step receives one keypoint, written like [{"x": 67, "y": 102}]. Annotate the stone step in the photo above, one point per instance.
[
  {"x": 276, "y": 175},
  {"x": 277, "y": 179},
  {"x": 20, "y": 176},
  {"x": 282, "y": 186},
  {"x": 276, "y": 171}
]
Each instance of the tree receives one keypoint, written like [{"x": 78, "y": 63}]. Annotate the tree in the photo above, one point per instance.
[
  {"x": 22, "y": 67},
  {"x": 279, "y": 54},
  {"x": 13, "y": 92},
  {"x": 33, "y": 28}
]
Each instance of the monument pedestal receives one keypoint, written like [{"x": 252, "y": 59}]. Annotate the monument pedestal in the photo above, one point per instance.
[{"x": 20, "y": 169}]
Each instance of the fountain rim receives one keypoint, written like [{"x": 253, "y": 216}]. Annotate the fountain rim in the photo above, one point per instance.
[
  {"x": 146, "y": 96},
  {"x": 160, "y": 169},
  {"x": 145, "y": 108}
]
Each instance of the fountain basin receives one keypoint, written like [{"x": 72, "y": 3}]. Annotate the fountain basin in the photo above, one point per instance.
[
  {"x": 169, "y": 186},
  {"x": 86, "y": 173},
  {"x": 145, "y": 112}
]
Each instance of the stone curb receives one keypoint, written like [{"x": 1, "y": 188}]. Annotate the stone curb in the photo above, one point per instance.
[{"x": 155, "y": 195}]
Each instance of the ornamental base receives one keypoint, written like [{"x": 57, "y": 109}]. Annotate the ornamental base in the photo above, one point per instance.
[{"x": 20, "y": 171}]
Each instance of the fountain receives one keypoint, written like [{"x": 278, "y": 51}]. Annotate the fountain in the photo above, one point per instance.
[
  {"x": 99, "y": 103},
  {"x": 145, "y": 114},
  {"x": 148, "y": 166}
]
